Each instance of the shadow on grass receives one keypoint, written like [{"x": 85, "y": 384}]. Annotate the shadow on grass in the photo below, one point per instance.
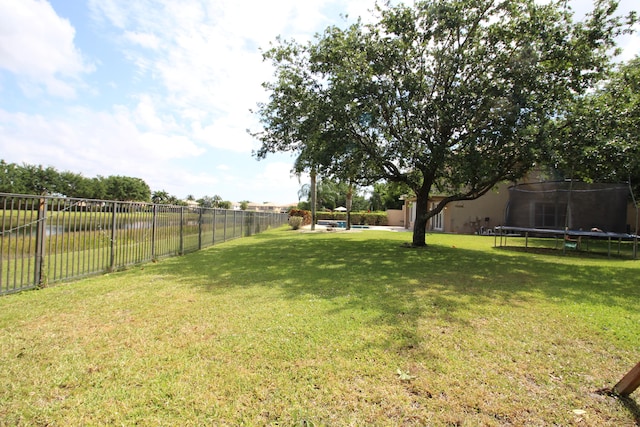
[
  {"x": 380, "y": 272},
  {"x": 440, "y": 284},
  {"x": 627, "y": 401},
  {"x": 632, "y": 406}
]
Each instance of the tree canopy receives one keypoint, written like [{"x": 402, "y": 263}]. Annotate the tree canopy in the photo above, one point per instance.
[
  {"x": 451, "y": 96},
  {"x": 599, "y": 136}
]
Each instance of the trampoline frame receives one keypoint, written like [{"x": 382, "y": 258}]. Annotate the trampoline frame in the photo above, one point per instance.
[{"x": 502, "y": 232}]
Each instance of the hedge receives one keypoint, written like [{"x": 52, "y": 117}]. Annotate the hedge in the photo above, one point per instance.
[{"x": 357, "y": 218}]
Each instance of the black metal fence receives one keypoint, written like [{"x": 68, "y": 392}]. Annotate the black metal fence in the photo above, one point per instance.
[{"x": 44, "y": 240}]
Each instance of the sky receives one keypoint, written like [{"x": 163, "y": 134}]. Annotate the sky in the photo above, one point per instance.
[{"x": 160, "y": 90}]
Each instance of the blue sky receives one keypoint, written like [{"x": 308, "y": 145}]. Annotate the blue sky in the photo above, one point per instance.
[{"x": 157, "y": 89}]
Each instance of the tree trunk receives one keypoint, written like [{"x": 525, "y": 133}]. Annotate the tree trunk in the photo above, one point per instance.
[{"x": 420, "y": 224}]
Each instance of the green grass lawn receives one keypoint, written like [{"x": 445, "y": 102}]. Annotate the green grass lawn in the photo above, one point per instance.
[{"x": 290, "y": 328}]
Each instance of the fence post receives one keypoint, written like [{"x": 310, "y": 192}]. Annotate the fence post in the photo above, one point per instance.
[
  {"x": 40, "y": 236},
  {"x": 200, "y": 228},
  {"x": 153, "y": 231},
  {"x": 114, "y": 223},
  {"x": 224, "y": 228},
  {"x": 213, "y": 238},
  {"x": 181, "y": 250}
]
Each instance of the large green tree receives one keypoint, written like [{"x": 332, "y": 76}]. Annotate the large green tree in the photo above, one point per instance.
[
  {"x": 39, "y": 179},
  {"x": 126, "y": 188},
  {"x": 388, "y": 195},
  {"x": 11, "y": 178},
  {"x": 72, "y": 184},
  {"x": 599, "y": 138},
  {"x": 453, "y": 95}
]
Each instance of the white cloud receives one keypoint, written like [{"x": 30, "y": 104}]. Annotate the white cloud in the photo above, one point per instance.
[
  {"x": 85, "y": 141},
  {"x": 209, "y": 61},
  {"x": 276, "y": 179},
  {"x": 37, "y": 46},
  {"x": 227, "y": 133},
  {"x": 147, "y": 117},
  {"x": 146, "y": 40},
  {"x": 630, "y": 45}
]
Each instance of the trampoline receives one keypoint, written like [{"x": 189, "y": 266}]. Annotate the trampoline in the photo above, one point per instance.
[
  {"x": 576, "y": 212},
  {"x": 570, "y": 238}
]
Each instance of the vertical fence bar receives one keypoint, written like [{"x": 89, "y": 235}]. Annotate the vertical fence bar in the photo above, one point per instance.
[
  {"x": 200, "y": 224},
  {"x": 86, "y": 237},
  {"x": 224, "y": 237},
  {"x": 124, "y": 231},
  {"x": 215, "y": 226},
  {"x": 181, "y": 250},
  {"x": 112, "y": 261},
  {"x": 137, "y": 232},
  {"x": 52, "y": 241},
  {"x": 73, "y": 226},
  {"x": 9, "y": 247},
  {"x": 3, "y": 228},
  {"x": 235, "y": 223},
  {"x": 40, "y": 241},
  {"x": 95, "y": 221},
  {"x": 154, "y": 224},
  {"x": 66, "y": 248},
  {"x": 29, "y": 248},
  {"x": 16, "y": 256}
]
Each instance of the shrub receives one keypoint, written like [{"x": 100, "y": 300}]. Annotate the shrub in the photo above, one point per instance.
[
  {"x": 305, "y": 215},
  {"x": 295, "y": 222}
]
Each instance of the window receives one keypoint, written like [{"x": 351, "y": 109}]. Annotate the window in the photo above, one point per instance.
[
  {"x": 549, "y": 215},
  {"x": 437, "y": 221}
]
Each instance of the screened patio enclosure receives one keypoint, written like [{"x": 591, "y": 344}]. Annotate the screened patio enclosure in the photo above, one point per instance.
[{"x": 572, "y": 205}]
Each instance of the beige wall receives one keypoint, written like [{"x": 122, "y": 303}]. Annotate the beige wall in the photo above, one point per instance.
[
  {"x": 395, "y": 217},
  {"x": 469, "y": 215}
]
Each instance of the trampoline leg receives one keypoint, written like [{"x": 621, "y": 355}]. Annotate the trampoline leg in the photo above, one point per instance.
[{"x": 629, "y": 382}]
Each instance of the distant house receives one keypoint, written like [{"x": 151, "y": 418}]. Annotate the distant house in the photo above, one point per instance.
[{"x": 269, "y": 207}]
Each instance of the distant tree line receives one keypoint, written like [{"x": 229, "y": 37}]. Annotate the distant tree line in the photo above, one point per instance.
[
  {"x": 32, "y": 179},
  {"x": 163, "y": 198},
  {"x": 39, "y": 180}
]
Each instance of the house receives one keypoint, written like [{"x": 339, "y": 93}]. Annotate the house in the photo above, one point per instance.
[
  {"x": 465, "y": 217},
  {"x": 269, "y": 207},
  {"x": 481, "y": 215}
]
